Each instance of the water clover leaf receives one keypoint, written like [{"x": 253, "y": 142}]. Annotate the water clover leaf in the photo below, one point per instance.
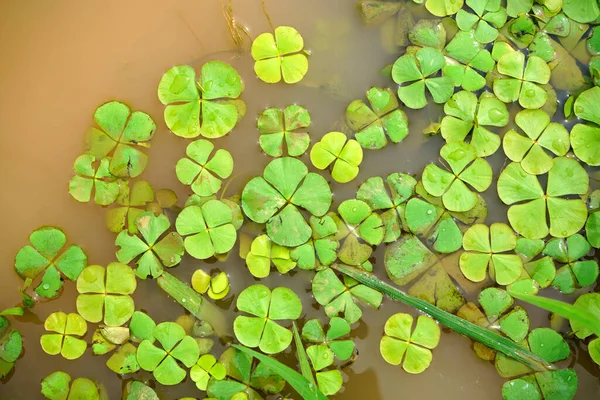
[
  {"x": 208, "y": 229},
  {"x": 217, "y": 286},
  {"x": 516, "y": 7},
  {"x": 466, "y": 168},
  {"x": 576, "y": 272},
  {"x": 206, "y": 368},
  {"x": 592, "y": 226},
  {"x": 441, "y": 8},
  {"x": 428, "y": 33},
  {"x": 120, "y": 134},
  {"x": 529, "y": 204},
  {"x": 541, "y": 136},
  {"x": 58, "y": 386},
  {"x": 153, "y": 249},
  {"x": 419, "y": 70},
  {"x": 275, "y": 197},
  {"x": 582, "y": 10},
  {"x": 90, "y": 178},
  {"x": 141, "y": 327},
  {"x": 44, "y": 255},
  {"x": 135, "y": 390},
  {"x": 522, "y": 81},
  {"x": 341, "y": 297},
  {"x": 199, "y": 169},
  {"x": 537, "y": 272},
  {"x": 206, "y": 106},
  {"x": 65, "y": 340},
  {"x": 279, "y": 55},
  {"x": 266, "y": 306},
  {"x": 383, "y": 119},
  {"x": 263, "y": 252},
  {"x": 277, "y": 127},
  {"x": 589, "y": 303},
  {"x": 11, "y": 346},
  {"x": 487, "y": 17},
  {"x": 485, "y": 248},
  {"x": 321, "y": 249},
  {"x": 362, "y": 223},
  {"x": 585, "y": 140},
  {"x": 244, "y": 376},
  {"x": 132, "y": 201},
  {"x": 124, "y": 360},
  {"x": 373, "y": 192},
  {"x": 412, "y": 349},
  {"x": 466, "y": 115},
  {"x": 106, "y": 292},
  {"x": 468, "y": 60},
  {"x": 164, "y": 363},
  {"x": 345, "y": 155},
  {"x": 327, "y": 344}
]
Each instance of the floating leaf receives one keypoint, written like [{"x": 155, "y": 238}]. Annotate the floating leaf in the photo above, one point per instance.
[
  {"x": 106, "y": 292},
  {"x": 207, "y": 229},
  {"x": 465, "y": 116},
  {"x": 466, "y": 168},
  {"x": 263, "y": 252},
  {"x": 522, "y": 81},
  {"x": 121, "y": 133},
  {"x": 154, "y": 250},
  {"x": 469, "y": 59},
  {"x": 486, "y": 18},
  {"x": 89, "y": 178},
  {"x": 576, "y": 272},
  {"x": 401, "y": 344},
  {"x": 530, "y": 205},
  {"x": 199, "y": 169},
  {"x": 274, "y": 198},
  {"x": 266, "y": 306},
  {"x": 321, "y": 249},
  {"x": 56, "y": 387},
  {"x": 418, "y": 71},
  {"x": 163, "y": 362},
  {"x": 44, "y": 255},
  {"x": 541, "y": 136},
  {"x": 206, "y": 368},
  {"x": 206, "y": 107},
  {"x": 441, "y": 8},
  {"x": 277, "y": 127},
  {"x": 373, "y": 125},
  {"x": 124, "y": 360},
  {"x": 280, "y": 55},
  {"x": 581, "y": 10},
  {"x": 67, "y": 328},
  {"x": 327, "y": 344},
  {"x": 11, "y": 346},
  {"x": 345, "y": 155},
  {"x": 132, "y": 201}
]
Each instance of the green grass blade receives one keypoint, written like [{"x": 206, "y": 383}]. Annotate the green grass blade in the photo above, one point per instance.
[
  {"x": 569, "y": 311},
  {"x": 302, "y": 357},
  {"x": 457, "y": 324},
  {"x": 301, "y": 385},
  {"x": 192, "y": 301}
]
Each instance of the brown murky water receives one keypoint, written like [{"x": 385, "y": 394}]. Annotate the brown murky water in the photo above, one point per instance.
[{"x": 63, "y": 58}]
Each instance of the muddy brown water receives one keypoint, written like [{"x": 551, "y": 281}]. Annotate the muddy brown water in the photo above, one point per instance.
[{"x": 63, "y": 58}]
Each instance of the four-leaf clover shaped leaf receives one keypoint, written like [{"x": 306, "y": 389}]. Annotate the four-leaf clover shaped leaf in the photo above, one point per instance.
[
  {"x": 199, "y": 169},
  {"x": 208, "y": 229},
  {"x": 277, "y": 127},
  {"x": 383, "y": 119},
  {"x": 466, "y": 115},
  {"x": 177, "y": 347},
  {"x": 67, "y": 328},
  {"x": 43, "y": 256},
  {"x": 11, "y": 346},
  {"x": 206, "y": 368},
  {"x": 121, "y": 131},
  {"x": 541, "y": 135},
  {"x": 576, "y": 273},
  {"x": 150, "y": 251},
  {"x": 359, "y": 222},
  {"x": 530, "y": 205},
  {"x": 90, "y": 179},
  {"x": 279, "y": 55},
  {"x": 132, "y": 201},
  {"x": 327, "y": 345},
  {"x": 321, "y": 249},
  {"x": 275, "y": 197},
  {"x": 485, "y": 248},
  {"x": 261, "y": 330},
  {"x": 585, "y": 139},
  {"x": 522, "y": 81},
  {"x": 419, "y": 69},
  {"x": 488, "y": 17},
  {"x": 263, "y": 252},
  {"x": 206, "y": 107},
  {"x": 468, "y": 60},
  {"x": 412, "y": 349},
  {"x": 466, "y": 168},
  {"x": 58, "y": 386},
  {"x": 345, "y": 155},
  {"x": 106, "y": 291},
  {"x": 341, "y": 297}
]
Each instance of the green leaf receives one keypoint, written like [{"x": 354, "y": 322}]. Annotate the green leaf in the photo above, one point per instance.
[
  {"x": 64, "y": 341},
  {"x": 90, "y": 179},
  {"x": 279, "y": 55},
  {"x": 441, "y": 8},
  {"x": 201, "y": 171},
  {"x": 334, "y": 149},
  {"x": 300, "y": 384},
  {"x": 281, "y": 126}
]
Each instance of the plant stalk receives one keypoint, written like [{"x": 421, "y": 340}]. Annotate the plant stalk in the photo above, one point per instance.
[{"x": 457, "y": 324}]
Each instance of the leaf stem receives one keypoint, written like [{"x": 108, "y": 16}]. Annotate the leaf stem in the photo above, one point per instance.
[{"x": 457, "y": 324}]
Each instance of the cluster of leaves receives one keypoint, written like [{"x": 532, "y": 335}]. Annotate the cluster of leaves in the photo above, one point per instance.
[{"x": 216, "y": 286}]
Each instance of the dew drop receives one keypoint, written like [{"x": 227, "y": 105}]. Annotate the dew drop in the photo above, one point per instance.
[
  {"x": 495, "y": 115},
  {"x": 183, "y": 300},
  {"x": 530, "y": 93},
  {"x": 429, "y": 212},
  {"x": 46, "y": 286}
]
